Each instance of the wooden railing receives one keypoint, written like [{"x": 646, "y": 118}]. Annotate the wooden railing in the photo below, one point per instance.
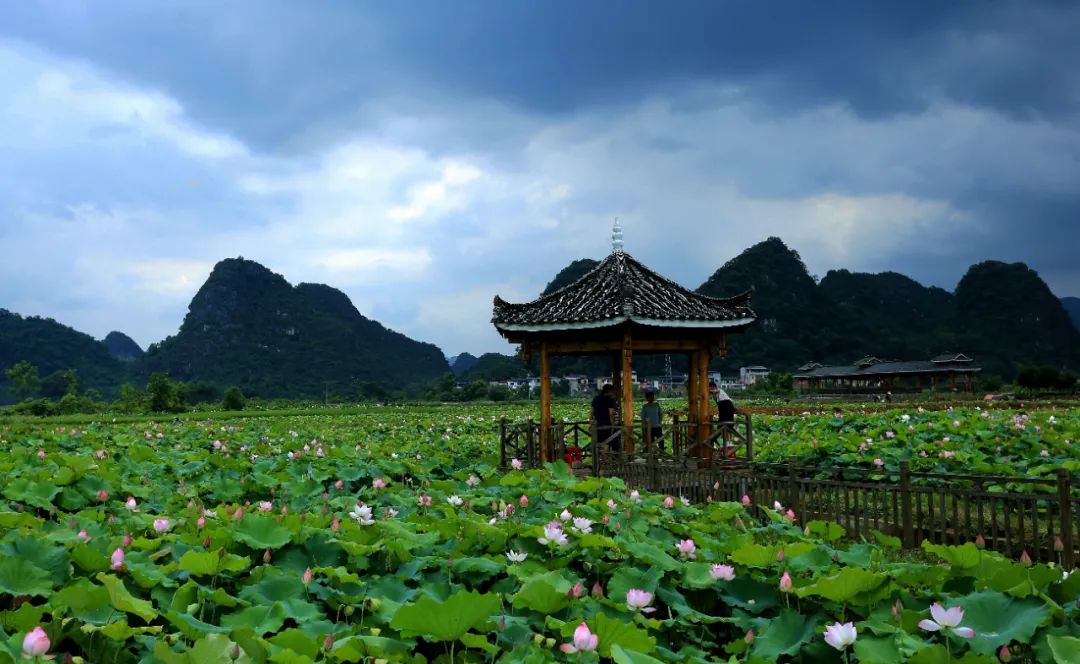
[{"x": 1011, "y": 515}]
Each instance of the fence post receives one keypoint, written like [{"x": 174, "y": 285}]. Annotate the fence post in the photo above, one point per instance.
[
  {"x": 793, "y": 482},
  {"x": 907, "y": 527},
  {"x": 530, "y": 443},
  {"x": 749, "y": 438},
  {"x": 595, "y": 445},
  {"x": 1065, "y": 501},
  {"x": 502, "y": 442}
]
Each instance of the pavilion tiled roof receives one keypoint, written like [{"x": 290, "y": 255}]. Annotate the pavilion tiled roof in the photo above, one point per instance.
[{"x": 621, "y": 289}]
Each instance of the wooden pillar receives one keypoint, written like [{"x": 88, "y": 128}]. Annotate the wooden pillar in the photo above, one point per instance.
[
  {"x": 545, "y": 403},
  {"x": 693, "y": 408},
  {"x": 627, "y": 393},
  {"x": 704, "y": 400}
]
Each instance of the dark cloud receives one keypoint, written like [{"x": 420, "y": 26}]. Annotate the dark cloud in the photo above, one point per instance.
[{"x": 269, "y": 70}]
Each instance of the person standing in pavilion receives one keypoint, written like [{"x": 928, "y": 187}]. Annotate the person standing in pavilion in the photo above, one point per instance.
[
  {"x": 651, "y": 415},
  {"x": 604, "y": 415}
]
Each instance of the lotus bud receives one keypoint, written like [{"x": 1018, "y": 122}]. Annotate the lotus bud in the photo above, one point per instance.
[
  {"x": 111, "y": 520},
  {"x": 806, "y": 531},
  {"x": 980, "y": 542},
  {"x": 349, "y": 610},
  {"x": 266, "y": 556},
  {"x": 780, "y": 555},
  {"x": 375, "y": 603},
  {"x": 1059, "y": 546},
  {"x": 749, "y": 638},
  {"x": 335, "y": 524},
  {"x": 738, "y": 522},
  {"x": 103, "y": 495},
  {"x": 235, "y": 651},
  {"x": 576, "y": 591},
  {"x": 501, "y": 625},
  {"x": 307, "y": 576},
  {"x": 201, "y": 523},
  {"x": 1025, "y": 559},
  {"x": 126, "y": 541},
  {"x": 524, "y": 500},
  {"x": 221, "y": 553},
  {"x": 785, "y": 583},
  {"x": 1004, "y": 655},
  {"x": 597, "y": 590},
  {"x": 897, "y": 609},
  {"x": 328, "y": 642}
]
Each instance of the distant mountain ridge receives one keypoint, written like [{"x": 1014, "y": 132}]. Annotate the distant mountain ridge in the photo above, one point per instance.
[
  {"x": 122, "y": 347},
  {"x": 247, "y": 326},
  {"x": 1002, "y": 313}
]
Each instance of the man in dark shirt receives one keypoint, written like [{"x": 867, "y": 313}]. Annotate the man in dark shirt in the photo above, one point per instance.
[{"x": 603, "y": 413}]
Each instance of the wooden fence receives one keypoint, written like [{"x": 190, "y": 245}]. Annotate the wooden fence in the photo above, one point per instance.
[{"x": 1011, "y": 514}]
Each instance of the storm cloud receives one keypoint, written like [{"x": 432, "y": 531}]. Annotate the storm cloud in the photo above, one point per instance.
[{"x": 424, "y": 156}]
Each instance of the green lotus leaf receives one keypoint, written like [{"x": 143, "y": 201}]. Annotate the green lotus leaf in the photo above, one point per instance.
[
  {"x": 545, "y": 594},
  {"x": 449, "y": 620},
  {"x": 23, "y": 619},
  {"x": 785, "y": 635},
  {"x": 844, "y": 586},
  {"x": 826, "y": 530},
  {"x": 475, "y": 568},
  {"x": 999, "y": 619},
  {"x": 120, "y": 630},
  {"x": 261, "y": 619},
  {"x": 25, "y": 490},
  {"x": 878, "y": 650},
  {"x": 652, "y": 555},
  {"x": 86, "y": 601},
  {"x": 18, "y": 576},
  {"x": 53, "y": 559},
  {"x": 191, "y": 627},
  {"x": 212, "y": 563},
  {"x": 296, "y": 641},
  {"x": 612, "y": 632},
  {"x": 122, "y": 600},
  {"x": 1066, "y": 649},
  {"x": 621, "y": 656},
  {"x": 756, "y": 555},
  {"x": 964, "y": 557},
  {"x": 262, "y": 532}
]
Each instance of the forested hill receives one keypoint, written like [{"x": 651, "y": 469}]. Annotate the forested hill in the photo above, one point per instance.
[
  {"x": 249, "y": 327},
  {"x": 53, "y": 349},
  {"x": 1003, "y": 314}
]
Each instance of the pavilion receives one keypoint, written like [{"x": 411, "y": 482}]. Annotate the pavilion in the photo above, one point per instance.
[{"x": 620, "y": 308}]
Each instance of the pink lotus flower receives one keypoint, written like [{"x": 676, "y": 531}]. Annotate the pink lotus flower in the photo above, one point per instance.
[
  {"x": 102, "y": 495},
  {"x": 378, "y": 483},
  {"x": 840, "y": 636},
  {"x": 41, "y": 454},
  {"x": 1004, "y": 654},
  {"x": 127, "y": 540},
  {"x": 746, "y": 500},
  {"x": 669, "y": 502},
  {"x": 687, "y": 548},
  {"x": 35, "y": 643},
  {"x": 201, "y": 523},
  {"x": 131, "y": 504},
  {"x": 584, "y": 641},
  {"x": 785, "y": 583},
  {"x": 84, "y": 535},
  {"x": 635, "y": 496},
  {"x": 306, "y": 577},
  {"x": 790, "y": 515},
  {"x": 553, "y": 534},
  {"x": 947, "y": 619},
  {"x": 638, "y": 600},
  {"x": 423, "y": 501},
  {"x": 265, "y": 505},
  {"x": 117, "y": 559},
  {"x": 473, "y": 480},
  {"x": 162, "y": 525},
  {"x": 524, "y": 500},
  {"x": 238, "y": 514},
  {"x": 576, "y": 591},
  {"x": 722, "y": 572},
  {"x": 515, "y": 464},
  {"x": 879, "y": 463},
  {"x": 340, "y": 484}
]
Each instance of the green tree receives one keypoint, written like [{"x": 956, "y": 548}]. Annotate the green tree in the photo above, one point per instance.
[
  {"x": 71, "y": 382},
  {"x": 233, "y": 399},
  {"x": 475, "y": 391},
  {"x": 164, "y": 395},
  {"x": 130, "y": 399},
  {"x": 25, "y": 377}
]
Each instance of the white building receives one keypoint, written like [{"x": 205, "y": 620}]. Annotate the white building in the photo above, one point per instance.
[{"x": 750, "y": 375}]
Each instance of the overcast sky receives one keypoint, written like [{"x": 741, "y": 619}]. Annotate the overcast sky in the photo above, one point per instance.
[{"x": 424, "y": 156}]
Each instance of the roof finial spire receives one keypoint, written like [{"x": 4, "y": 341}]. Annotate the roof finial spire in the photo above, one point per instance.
[{"x": 616, "y": 237}]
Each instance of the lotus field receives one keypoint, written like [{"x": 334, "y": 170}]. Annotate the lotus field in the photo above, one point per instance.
[{"x": 388, "y": 534}]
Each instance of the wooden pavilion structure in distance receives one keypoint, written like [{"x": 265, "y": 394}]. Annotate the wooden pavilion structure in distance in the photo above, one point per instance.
[{"x": 620, "y": 308}]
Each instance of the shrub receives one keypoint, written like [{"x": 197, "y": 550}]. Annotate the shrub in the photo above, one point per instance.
[{"x": 234, "y": 399}]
